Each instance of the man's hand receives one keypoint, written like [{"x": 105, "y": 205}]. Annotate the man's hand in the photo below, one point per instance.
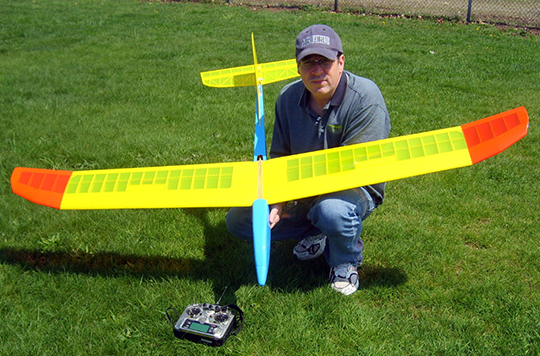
[{"x": 275, "y": 214}]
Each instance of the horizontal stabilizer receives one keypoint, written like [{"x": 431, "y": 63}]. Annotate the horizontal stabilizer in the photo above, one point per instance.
[{"x": 245, "y": 76}]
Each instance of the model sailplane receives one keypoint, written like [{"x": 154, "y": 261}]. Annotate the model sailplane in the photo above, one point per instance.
[{"x": 261, "y": 182}]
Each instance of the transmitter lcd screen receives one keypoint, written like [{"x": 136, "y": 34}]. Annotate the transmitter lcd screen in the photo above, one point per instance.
[{"x": 199, "y": 327}]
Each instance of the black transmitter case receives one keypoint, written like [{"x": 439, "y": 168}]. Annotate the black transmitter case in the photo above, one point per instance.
[{"x": 209, "y": 324}]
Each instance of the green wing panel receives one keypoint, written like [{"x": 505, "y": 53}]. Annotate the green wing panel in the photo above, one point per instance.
[
  {"x": 321, "y": 172},
  {"x": 205, "y": 185}
]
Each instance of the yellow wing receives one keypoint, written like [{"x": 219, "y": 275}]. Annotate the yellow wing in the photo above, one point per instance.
[
  {"x": 204, "y": 185},
  {"x": 336, "y": 169},
  {"x": 283, "y": 179},
  {"x": 346, "y": 167}
]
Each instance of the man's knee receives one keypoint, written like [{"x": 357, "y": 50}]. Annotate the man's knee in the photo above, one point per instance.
[{"x": 335, "y": 217}]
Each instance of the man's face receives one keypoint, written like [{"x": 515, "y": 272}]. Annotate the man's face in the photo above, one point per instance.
[{"x": 321, "y": 75}]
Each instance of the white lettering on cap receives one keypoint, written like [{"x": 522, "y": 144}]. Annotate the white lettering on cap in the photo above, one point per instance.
[{"x": 319, "y": 39}]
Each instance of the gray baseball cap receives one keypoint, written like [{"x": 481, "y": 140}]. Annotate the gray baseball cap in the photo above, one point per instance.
[{"x": 318, "y": 39}]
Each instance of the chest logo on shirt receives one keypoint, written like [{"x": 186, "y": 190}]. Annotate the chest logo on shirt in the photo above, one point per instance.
[{"x": 334, "y": 129}]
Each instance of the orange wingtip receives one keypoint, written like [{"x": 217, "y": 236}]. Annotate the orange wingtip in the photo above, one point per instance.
[
  {"x": 41, "y": 186},
  {"x": 492, "y": 135}
]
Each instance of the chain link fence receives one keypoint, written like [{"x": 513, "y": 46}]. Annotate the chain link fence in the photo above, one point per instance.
[{"x": 523, "y": 13}]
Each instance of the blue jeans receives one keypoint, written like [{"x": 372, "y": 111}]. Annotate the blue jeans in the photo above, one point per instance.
[{"x": 338, "y": 215}]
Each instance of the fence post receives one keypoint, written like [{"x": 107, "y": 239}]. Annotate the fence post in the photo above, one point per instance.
[
  {"x": 336, "y": 5},
  {"x": 468, "y": 11}
]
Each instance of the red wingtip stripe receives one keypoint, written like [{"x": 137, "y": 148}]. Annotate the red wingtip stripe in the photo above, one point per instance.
[
  {"x": 41, "y": 186},
  {"x": 492, "y": 135}
]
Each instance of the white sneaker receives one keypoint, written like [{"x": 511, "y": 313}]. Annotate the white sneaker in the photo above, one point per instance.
[
  {"x": 344, "y": 278},
  {"x": 310, "y": 247}
]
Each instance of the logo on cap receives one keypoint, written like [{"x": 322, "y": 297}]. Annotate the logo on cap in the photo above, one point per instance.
[{"x": 316, "y": 39}]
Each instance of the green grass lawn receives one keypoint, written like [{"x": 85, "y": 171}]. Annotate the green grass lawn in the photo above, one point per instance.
[{"x": 452, "y": 260}]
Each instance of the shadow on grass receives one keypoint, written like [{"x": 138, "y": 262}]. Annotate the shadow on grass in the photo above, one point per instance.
[
  {"x": 228, "y": 263},
  {"x": 290, "y": 275}
]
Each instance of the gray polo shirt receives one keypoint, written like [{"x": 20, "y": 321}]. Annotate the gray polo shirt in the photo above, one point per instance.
[{"x": 357, "y": 113}]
